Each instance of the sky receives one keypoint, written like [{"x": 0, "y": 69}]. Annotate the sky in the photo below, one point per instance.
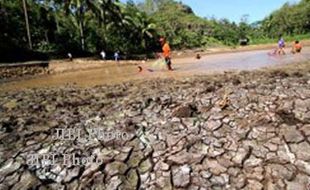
[{"x": 234, "y": 9}]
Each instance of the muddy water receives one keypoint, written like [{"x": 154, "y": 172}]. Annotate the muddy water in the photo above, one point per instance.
[{"x": 115, "y": 73}]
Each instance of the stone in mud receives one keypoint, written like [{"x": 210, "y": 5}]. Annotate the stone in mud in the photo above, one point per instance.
[
  {"x": 27, "y": 181},
  {"x": 4, "y": 187},
  {"x": 145, "y": 166},
  {"x": 71, "y": 174},
  {"x": 11, "y": 179},
  {"x": 114, "y": 183},
  {"x": 185, "y": 158},
  {"x": 277, "y": 171},
  {"x": 254, "y": 185},
  {"x": 181, "y": 176},
  {"x": 131, "y": 181},
  {"x": 161, "y": 166},
  {"x": 183, "y": 111},
  {"x": 291, "y": 134},
  {"x": 236, "y": 81},
  {"x": 9, "y": 167},
  {"x": 213, "y": 125},
  {"x": 11, "y": 104},
  {"x": 253, "y": 162},
  {"x": 301, "y": 150},
  {"x": 115, "y": 168},
  {"x": 163, "y": 181},
  {"x": 241, "y": 155},
  {"x": 135, "y": 159},
  {"x": 214, "y": 167}
]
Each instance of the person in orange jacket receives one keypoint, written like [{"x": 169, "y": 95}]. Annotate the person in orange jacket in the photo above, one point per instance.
[{"x": 166, "y": 52}]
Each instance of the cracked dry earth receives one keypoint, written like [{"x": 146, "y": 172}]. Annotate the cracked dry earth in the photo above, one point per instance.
[{"x": 234, "y": 131}]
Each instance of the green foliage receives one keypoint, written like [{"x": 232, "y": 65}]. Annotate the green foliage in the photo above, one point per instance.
[
  {"x": 289, "y": 20},
  {"x": 180, "y": 25},
  {"x": 78, "y": 26}
]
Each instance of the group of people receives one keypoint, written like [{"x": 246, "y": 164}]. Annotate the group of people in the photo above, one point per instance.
[
  {"x": 296, "y": 48},
  {"x": 102, "y": 55},
  {"x": 166, "y": 52},
  {"x": 116, "y": 55}
]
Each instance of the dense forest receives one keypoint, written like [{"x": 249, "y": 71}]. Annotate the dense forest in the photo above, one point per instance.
[{"x": 37, "y": 28}]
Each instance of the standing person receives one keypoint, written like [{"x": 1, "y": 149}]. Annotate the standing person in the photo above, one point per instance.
[
  {"x": 281, "y": 46},
  {"x": 70, "y": 56},
  {"x": 103, "y": 55},
  {"x": 296, "y": 47},
  {"x": 166, "y": 52},
  {"x": 116, "y": 56}
]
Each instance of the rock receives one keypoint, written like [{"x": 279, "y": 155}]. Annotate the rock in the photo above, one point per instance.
[
  {"x": 277, "y": 171},
  {"x": 184, "y": 158},
  {"x": 183, "y": 111},
  {"x": 213, "y": 125},
  {"x": 306, "y": 129},
  {"x": 273, "y": 186},
  {"x": 181, "y": 176},
  {"x": 27, "y": 181},
  {"x": 214, "y": 167},
  {"x": 131, "y": 181},
  {"x": 218, "y": 181},
  {"x": 161, "y": 166},
  {"x": 4, "y": 187},
  {"x": 252, "y": 162},
  {"x": 11, "y": 104},
  {"x": 12, "y": 179},
  {"x": 9, "y": 167},
  {"x": 239, "y": 182},
  {"x": 114, "y": 183},
  {"x": 233, "y": 171},
  {"x": 255, "y": 173},
  {"x": 163, "y": 181},
  {"x": 236, "y": 81},
  {"x": 135, "y": 159},
  {"x": 206, "y": 174},
  {"x": 303, "y": 166},
  {"x": 295, "y": 185},
  {"x": 299, "y": 150},
  {"x": 90, "y": 169},
  {"x": 145, "y": 166},
  {"x": 302, "y": 104},
  {"x": 215, "y": 152},
  {"x": 241, "y": 155},
  {"x": 115, "y": 168},
  {"x": 254, "y": 185},
  {"x": 291, "y": 134},
  {"x": 270, "y": 146}
]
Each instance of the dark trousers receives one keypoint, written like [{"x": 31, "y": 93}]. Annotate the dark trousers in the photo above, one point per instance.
[{"x": 168, "y": 62}]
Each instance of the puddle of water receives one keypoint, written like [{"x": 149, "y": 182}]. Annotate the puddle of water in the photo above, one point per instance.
[{"x": 183, "y": 67}]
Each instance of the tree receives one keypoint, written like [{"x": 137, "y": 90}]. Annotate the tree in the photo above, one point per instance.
[
  {"x": 27, "y": 24},
  {"x": 77, "y": 9}
]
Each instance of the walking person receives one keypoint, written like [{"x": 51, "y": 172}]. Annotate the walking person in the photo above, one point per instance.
[
  {"x": 281, "y": 46},
  {"x": 103, "y": 55},
  {"x": 166, "y": 52},
  {"x": 116, "y": 56},
  {"x": 70, "y": 57}
]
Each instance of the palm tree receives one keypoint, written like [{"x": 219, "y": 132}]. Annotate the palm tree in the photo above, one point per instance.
[
  {"x": 107, "y": 12},
  {"x": 78, "y": 8},
  {"x": 141, "y": 23},
  {"x": 27, "y": 23}
]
